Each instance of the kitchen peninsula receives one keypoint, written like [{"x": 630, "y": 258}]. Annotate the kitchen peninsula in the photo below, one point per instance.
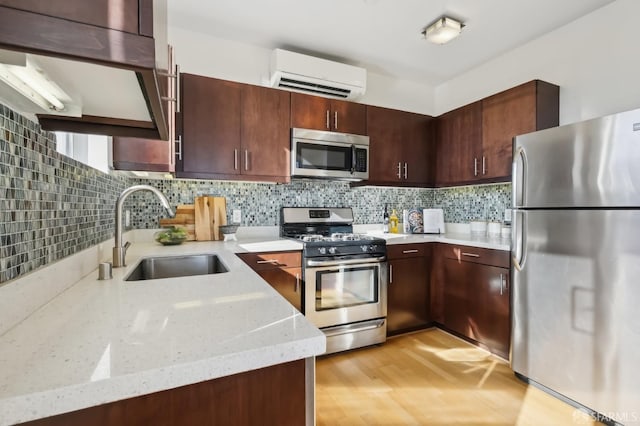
[{"x": 105, "y": 341}]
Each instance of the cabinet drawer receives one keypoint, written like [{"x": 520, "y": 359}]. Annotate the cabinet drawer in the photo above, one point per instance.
[
  {"x": 399, "y": 251},
  {"x": 272, "y": 260},
  {"x": 499, "y": 258}
]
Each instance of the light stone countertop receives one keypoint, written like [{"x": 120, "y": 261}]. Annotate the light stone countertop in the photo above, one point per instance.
[
  {"x": 448, "y": 238},
  {"x": 102, "y": 341}
]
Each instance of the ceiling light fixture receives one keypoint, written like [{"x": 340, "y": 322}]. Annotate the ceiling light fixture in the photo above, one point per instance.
[
  {"x": 32, "y": 84},
  {"x": 443, "y": 30}
]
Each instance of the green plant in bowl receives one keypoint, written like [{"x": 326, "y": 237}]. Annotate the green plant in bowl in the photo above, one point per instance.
[{"x": 171, "y": 236}]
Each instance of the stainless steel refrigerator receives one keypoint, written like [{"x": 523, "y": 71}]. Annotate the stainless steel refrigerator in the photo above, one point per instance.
[{"x": 576, "y": 263}]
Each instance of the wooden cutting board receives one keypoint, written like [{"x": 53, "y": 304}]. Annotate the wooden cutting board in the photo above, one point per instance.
[
  {"x": 185, "y": 218},
  {"x": 210, "y": 214}
]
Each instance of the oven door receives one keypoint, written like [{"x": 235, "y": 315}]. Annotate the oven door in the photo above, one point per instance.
[{"x": 342, "y": 292}]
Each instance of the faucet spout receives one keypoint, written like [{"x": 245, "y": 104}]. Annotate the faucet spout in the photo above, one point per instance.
[{"x": 120, "y": 249}]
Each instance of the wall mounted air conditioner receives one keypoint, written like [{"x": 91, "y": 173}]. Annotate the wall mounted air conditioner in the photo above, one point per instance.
[{"x": 308, "y": 74}]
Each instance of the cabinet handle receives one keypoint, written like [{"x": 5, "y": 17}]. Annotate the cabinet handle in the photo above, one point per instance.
[
  {"x": 297, "y": 287},
  {"x": 271, "y": 261},
  {"x": 470, "y": 254},
  {"x": 501, "y": 283},
  {"x": 475, "y": 167},
  {"x": 409, "y": 251},
  {"x": 406, "y": 171},
  {"x": 179, "y": 152},
  {"x": 484, "y": 169},
  {"x": 335, "y": 119},
  {"x": 235, "y": 159},
  {"x": 246, "y": 159},
  {"x": 328, "y": 128},
  {"x": 399, "y": 170},
  {"x": 178, "y": 88},
  {"x": 390, "y": 274}
]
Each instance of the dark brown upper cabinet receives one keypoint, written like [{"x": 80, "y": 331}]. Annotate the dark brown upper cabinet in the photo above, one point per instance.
[
  {"x": 151, "y": 155},
  {"x": 127, "y": 35},
  {"x": 401, "y": 148},
  {"x": 318, "y": 113},
  {"x": 459, "y": 136},
  {"x": 523, "y": 109},
  {"x": 233, "y": 131},
  {"x": 475, "y": 141}
]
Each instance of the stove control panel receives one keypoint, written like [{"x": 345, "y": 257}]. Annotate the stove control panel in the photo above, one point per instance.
[{"x": 344, "y": 248}]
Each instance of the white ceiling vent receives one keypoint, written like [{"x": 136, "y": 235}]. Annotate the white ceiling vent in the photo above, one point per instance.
[{"x": 307, "y": 74}]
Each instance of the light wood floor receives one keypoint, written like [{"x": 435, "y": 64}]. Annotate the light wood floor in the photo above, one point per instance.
[{"x": 430, "y": 378}]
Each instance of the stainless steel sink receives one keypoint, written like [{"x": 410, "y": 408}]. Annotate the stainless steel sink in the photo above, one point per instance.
[{"x": 153, "y": 268}]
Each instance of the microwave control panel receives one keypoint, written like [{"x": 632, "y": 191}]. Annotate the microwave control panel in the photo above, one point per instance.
[{"x": 361, "y": 160}]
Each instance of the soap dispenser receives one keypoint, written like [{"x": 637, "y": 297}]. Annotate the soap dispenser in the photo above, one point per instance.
[{"x": 393, "y": 222}]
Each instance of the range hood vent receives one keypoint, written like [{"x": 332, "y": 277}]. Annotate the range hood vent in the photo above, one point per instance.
[{"x": 308, "y": 74}]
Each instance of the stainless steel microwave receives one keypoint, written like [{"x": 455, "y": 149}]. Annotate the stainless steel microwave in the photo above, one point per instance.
[{"x": 329, "y": 155}]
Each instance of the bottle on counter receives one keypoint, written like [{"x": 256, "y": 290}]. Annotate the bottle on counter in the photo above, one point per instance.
[
  {"x": 385, "y": 220},
  {"x": 393, "y": 222}
]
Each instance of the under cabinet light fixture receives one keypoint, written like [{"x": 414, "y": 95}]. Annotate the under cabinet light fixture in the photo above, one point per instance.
[
  {"x": 443, "y": 30},
  {"x": 30, "y": 83}
]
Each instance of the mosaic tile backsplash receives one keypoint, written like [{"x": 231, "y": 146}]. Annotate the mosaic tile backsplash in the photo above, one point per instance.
[
  {"x": 261, "y": 202},
  {"x": 50, "y": 205},
  {"x": 466, "y": 203}
]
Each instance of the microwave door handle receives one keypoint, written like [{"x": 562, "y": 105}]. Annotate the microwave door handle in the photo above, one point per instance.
[{"x": 353, "y": 159}]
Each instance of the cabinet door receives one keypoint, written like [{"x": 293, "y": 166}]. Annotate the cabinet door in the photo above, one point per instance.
[
  {"x": 459, "y": 140},
  {"x": 418, "y": 149},
  {"x": 408, "y": 295},
  {"x": 476, "y": 303},
  {"x": 385, "y": 144},
  {"x": 526, "y": 108},
  {"x": 152, "y": 155},
  {"x": 504, "y": 116},
  {"x": 460, "y": 298},
  {"x": 265, "y": 134},
  {"x": 117, "y": 15},
  {"x": 495, "y": 328},
  {"x": 211, "y": 126},
  {"x": 287, "y": 282},
  {"x": 348, "y": 117},
  {"x": 310, "y": 112}
]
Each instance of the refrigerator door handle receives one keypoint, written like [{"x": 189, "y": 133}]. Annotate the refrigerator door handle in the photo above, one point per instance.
[
  {"x": 519, "y": 255},
  {"x": 517, "y": 189}
]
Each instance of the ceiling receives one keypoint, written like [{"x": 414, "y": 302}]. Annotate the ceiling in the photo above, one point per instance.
[{"x": 383, "y": 36}]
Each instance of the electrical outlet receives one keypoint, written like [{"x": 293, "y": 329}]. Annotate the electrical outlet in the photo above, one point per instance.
[
  {"x": 507, "y": 215},
  {"x": 127, "y": 218},
  {"x": 237, "y": 216}
]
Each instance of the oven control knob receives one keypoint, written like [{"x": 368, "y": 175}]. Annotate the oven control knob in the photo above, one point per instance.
[
  {"x": 322, "y": 250},
  {"x": 364, "y": 248},
  {"x": 332, "y": 250}
]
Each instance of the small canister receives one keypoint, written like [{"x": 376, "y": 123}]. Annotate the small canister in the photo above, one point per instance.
[{"x": 105, "y": 271}]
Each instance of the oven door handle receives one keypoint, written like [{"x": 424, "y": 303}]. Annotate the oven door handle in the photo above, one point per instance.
[
  {"x": 351, "y": 328},
  {"x": 346, "y": 262}
]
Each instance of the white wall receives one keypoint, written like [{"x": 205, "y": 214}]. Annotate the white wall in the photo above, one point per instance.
[
  {"x": 594, "y": 60},
  {"x": 202, "y": 54}
]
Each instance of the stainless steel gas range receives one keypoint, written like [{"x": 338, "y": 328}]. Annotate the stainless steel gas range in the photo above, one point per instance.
[{"x": 344, "y": 274}]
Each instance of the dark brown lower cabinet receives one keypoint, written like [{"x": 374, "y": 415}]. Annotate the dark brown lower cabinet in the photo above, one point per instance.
[
  {"x": 267, "y": 396},
  {"x": 287, "y": 282},
  {"x": 476, "y": 303},
  {"x": 282, "y": 270},
  {"x": 408, "y": 289}
]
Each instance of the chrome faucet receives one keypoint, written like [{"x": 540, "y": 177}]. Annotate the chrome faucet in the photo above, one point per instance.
[{"x": 120, "y": 250}]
